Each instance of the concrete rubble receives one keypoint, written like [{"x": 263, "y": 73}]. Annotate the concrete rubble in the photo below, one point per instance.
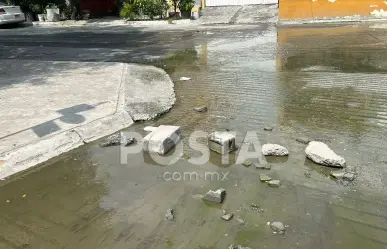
[
  {"x": 201, "y": 109},
  {"x": 278, "y": 227},
  {"x": 215, "y": 196},
  {"x": 247, "y": 163},
  {"x": 274, "y": 183},
  {"x": 343, "y": 175},
  {"x": 320, "y": 153},
  {"x": 185, "y": 78},
  {"x": 221, "y": 142},
  {"x": 161, "y": 139},
  {"x": 263, "y": 166},
  {"x": 227, "y": 216},
  {"x": 117, "y": 139},
  {"x": 264, "y": 178},
  {"x": 274, "y": 150},
  {"x": 268, "y": 128},
  {"x": 169, "y": 215},
  {"x": 303, "y": 140}
]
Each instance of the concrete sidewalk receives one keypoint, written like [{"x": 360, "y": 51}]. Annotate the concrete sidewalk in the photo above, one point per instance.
[{"x": 48, "y": 108}]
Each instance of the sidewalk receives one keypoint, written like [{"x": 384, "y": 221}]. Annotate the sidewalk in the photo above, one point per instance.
[{"x": 49, "y": 108}]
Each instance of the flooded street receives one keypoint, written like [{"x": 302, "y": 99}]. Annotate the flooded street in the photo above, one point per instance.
[{"x": 324, "y": 83}]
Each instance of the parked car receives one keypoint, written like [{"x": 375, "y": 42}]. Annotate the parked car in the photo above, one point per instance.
[{"x": 10, "y": 14}]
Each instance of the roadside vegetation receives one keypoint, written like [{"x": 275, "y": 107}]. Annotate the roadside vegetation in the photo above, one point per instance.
[{"x": 151, "y": 9}]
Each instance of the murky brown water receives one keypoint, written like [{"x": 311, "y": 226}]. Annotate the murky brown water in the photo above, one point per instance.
[{"x": 327, "y": 84}]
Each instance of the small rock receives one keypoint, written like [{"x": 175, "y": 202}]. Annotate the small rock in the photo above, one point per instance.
[
  {"x": 241, "y": 221},
  {"x": 307, "y": 174},
  {"x": 303, "y": 140},
  {"x": 320, "y": 153},
  {"x": 342, "y": 175},
  {"x": 264, "y": 178},
  {"x": 254, "y": 206},
  {"x": 274, "y": 150},
  {"x": 263, "y": 166},
  {"x": 201, "y": 109},
  {"x": 224, "y": 212},
  {"x": 247, "y": 163},
  {"x": 227, "y": 217},
  {"x": 238, "y": 247},
  {"x": 274, "y": 183},
  {"x": 117, "y": 139},
  {"x": 268, "y": 128},
  {"x": 215, "y": 196},
  {"x": 185, "y": 78},
  {"x": 169, "y": 214},
  {"x": 277, "y": 227}
]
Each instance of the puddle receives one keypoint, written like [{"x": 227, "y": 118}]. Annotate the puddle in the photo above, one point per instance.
[{"x": 88, "y": 199}]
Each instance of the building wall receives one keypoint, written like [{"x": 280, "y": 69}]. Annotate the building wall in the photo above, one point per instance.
[{"x": 307, "y": 9}]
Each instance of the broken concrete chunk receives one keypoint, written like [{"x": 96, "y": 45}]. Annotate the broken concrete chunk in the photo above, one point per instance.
[
  {"x": 264, "y": 178},
  {"x": 274, "y": 183},
  {"x": 320, "y": 153},
  {"x": 227, "y": 217},
  {"x": 117, "y": 139},
  {"x": 215, "y": 196},
  {"x": 201, "y": 109},
  {"x": 185, "y": 78},
  {"x": 263, "y": 166},
  {"x": 303, "y": 140},
  {"x": 342, "y": 175},
  {"x": 241, "y": 221},
  {"x": 247, "y": 163},
  {"x": 268, "y": 128},
  {"x": 169, "y": 214},
  {"x": 162, "y": 139},
  {"x": 274, "y": 150},
  {"x": 277, "y": 227},
  {"x": 221, "y": 142}
]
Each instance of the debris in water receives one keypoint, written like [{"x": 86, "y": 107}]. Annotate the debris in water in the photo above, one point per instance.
[
  {"x": 117, "y": 139},
  {"x": 263, "y": 166},
  {"x": 342, "y": 175},
  {"x": 215, "y": 196},
  {"x": 241, "y": 221},
  {"x": 303, "y": 140},
  {"x": 201, "y": 109},
  {"x": 8, "y": 201},
  {"x": 254, "y": 206},
  {"x": 24, "y": 196},
  {"x": 274, "y": 150},
  {"x": 227, "y": 217},
  {"x": 274, "y": 183},
  {"x": 277, "y": 227},
  {"x": 264, "y": 178},
  {"x": 307, "y": 174},
  {"x": 268, "y": 128},
  {"x": 320, "y": 153},
  {"x": 221, "y": 142},
  {"x": 185, "y": 78},
  {"x": 247, "y": 163},
  {"x": 161, "y": 139},
  {"x": 169, "y": 214}
]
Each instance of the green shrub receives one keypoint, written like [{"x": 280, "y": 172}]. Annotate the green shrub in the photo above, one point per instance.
[
  {"x": 129, "y": 11},
  {"x": 186, "y": 5}
]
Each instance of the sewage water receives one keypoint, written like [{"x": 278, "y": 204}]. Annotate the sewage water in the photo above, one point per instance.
[{"x": 321, "y": 83}]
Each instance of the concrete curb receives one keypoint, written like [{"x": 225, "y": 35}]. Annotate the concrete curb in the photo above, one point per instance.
[{"x": 36, "y": 152}]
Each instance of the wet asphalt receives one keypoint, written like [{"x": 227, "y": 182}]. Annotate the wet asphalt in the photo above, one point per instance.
[{"x": 325, "y": 83}]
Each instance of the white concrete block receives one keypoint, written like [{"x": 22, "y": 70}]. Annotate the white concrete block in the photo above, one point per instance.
[
  {"x": 162, "y": 139},
  {"x": 221, "y": 142}
]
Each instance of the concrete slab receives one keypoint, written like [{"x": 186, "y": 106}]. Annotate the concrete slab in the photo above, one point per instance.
[
  {"x": 48, "y": 108},
  {"x": 162, "y": 139}
]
